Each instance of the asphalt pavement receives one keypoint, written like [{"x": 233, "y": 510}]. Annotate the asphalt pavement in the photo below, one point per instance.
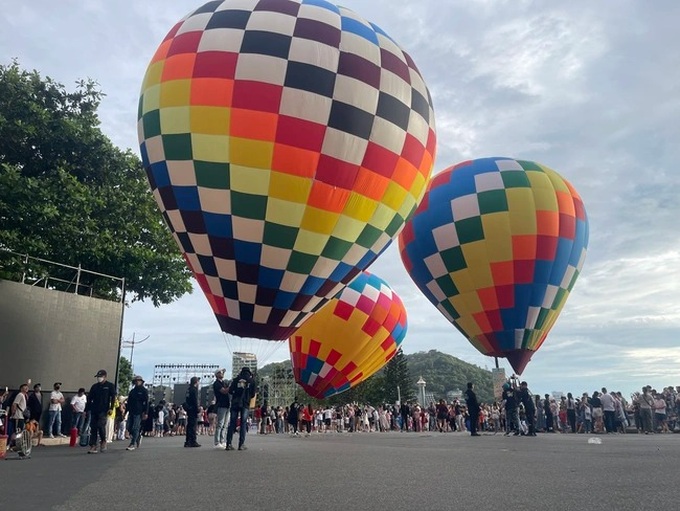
[{"x": 359, "y": 471}]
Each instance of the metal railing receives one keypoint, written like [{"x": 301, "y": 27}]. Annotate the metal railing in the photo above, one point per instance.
[{"x": 35, "y": 271}]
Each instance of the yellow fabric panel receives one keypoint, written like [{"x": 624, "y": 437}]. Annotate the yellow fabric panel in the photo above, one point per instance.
[
  {"x": 498, "y": 240},
  {"x": 394, "y": 196},
  {"x": 558, "y": 183},
  {"x": 522, "y": 214},
  {"x": 284, "y": 212},
  {"x": 407, "y": 207},
  {"x": 152, "y": 99},
  {"x": 348, "y": 229},
  {"x": 251, "y": 153},
  {"x": 382, "y": 217},
  {"x": 319, "y": 221},
  {"x": 175, "y": 93},
  {"x": 544, "y": 193},
  {"x": 310, "y": 242},
  {"x": 469, "y": 326},
  {"x": 175, "y": 120},
  {"x": 213, "y": 148},
  {"x": 254, "y": 181},
  {"x": 289, "y": 187},
  {"x": 478, "y": 274},
  {"x": 153, "y": 75},
  {"x": 210, "y": 120},
  {"x": 360, "y": 207}
]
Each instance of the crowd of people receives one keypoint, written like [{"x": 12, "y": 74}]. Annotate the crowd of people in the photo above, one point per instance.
[{"x": 101, "y": 416}]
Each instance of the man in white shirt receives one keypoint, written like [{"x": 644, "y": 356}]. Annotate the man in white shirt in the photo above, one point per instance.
[
  {"x": 56, "y": 400},
  {"x": 609, "y": 409},
  {"x": 78, "y": 403}
]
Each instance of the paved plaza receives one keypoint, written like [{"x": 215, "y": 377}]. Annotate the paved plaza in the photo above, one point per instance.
[{"x": 361, "y": 471}]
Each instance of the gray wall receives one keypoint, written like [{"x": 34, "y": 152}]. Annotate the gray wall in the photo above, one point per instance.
[{"x": 50, "y": 336}]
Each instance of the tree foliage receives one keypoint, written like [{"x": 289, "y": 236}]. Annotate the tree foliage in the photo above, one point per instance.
[
  {"x": 67, "y": 194},
  {"x": 124, "y": 376}
]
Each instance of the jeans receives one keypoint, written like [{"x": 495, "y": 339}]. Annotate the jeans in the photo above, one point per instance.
[
  {"x": 222, "y": 425},
  {"x": 609, "y": 421},
  {"x": 237, "y": 413},
  {"x": 79, "y": 421},
  {"x": 135, "y": 426},
  {"x": 54, "y": 417}
]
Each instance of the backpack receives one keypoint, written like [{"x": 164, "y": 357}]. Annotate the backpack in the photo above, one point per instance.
[{"x": 7, "y": 403}]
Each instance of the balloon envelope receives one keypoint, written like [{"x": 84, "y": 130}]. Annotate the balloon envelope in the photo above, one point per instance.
[
  {"x": 348, "y": 339},
  {"x": 286, "y": 143},
  {"x": 497, "y": 245}
]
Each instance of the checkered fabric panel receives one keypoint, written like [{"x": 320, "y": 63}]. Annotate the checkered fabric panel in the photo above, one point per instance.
[
  {"x": 496, "y": 245},
  {"x": 288, "y": 139},
  {"x": 348, "y": 339}
]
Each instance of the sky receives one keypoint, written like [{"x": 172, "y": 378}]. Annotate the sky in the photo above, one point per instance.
[{"x": 591, "y": 89}]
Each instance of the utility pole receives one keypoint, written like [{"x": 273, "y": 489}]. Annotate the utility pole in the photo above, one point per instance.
[{"x": 132, "y": 343}]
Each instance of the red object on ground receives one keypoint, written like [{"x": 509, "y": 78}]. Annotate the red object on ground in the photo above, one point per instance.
[{"x": 74, "y": 437}]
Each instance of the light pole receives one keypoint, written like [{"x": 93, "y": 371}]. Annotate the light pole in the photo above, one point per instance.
[
  {"x": 132, "y": 343},
  {"x": 421, "y": 391}
]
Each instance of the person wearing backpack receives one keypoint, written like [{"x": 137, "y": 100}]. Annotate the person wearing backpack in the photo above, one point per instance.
[{"x": 242, "y": 389}]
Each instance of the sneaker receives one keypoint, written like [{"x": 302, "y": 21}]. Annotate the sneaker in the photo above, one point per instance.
[
  {"x": 130, "y": 448},
  {"x": 229, "y": 448},
  {"x": 50, "y": 436},
  {"x": 93, "y": 450},
  {"x": 102, "y": 447},
  {"x": 242, "y": 448},
  {"x": 61, "y": 435},
  {"x": 220, "y": 446}
]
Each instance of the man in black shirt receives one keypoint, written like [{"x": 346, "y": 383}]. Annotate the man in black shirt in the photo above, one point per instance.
[
  {"x": 222, "y": 403},
  {"x": 473, "y": 408},
  {"x": 35, "y": 403},
  {"x": 137, "y": 404},
  {"x": 524, "y": 396},
  {"x": 242, "y": 389},
  {"x": 100, "y": 401},
  {"x": 511, "y": 409},
  {"x": 191, "y": 407}
]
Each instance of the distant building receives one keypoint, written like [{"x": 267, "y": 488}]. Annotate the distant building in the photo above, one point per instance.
[{"x": 240, "y": 360}]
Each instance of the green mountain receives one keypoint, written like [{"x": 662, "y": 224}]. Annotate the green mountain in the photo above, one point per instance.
[{"x": 441, "y": 372}]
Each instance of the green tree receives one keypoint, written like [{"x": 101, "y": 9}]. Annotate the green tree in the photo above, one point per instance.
[
  {"x": 67, "y": 194},
  {"x": 124, "y": 375},
  {"x": 397, "y": 375}
]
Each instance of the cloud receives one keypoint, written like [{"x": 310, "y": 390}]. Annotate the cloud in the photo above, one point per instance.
[{"x": 588, "y": 90}]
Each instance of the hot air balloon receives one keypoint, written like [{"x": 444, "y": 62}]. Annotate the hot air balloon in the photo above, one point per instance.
[
  {"x": 497, "y": 245},
  {"x": 348, "y": 339},
  {"x": 286, "y": 143}
]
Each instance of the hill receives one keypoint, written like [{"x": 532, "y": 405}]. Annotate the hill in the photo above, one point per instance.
[{"x": 442, "y": 372}]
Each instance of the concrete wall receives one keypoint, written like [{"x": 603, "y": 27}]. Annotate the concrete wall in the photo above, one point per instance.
[{"x": 50, "y": 336}]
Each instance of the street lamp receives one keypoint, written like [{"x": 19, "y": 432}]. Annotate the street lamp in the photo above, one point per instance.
[
  {"x": 421, "y": 391},
  {"x": 132, "y": 343}
]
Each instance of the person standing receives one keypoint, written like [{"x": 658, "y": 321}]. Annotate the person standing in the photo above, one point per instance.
[
  {"x": 524, "y": 396},
  {"x": 242, "y": 389},
  {"x": 646, "y": 403},
  {"x": 609, "y": 409},
  {"x": 191, "y": 406},
  {"x": 137, "y": 404},
  {"x": 101, "y": 401},
  {"x": 571, "y": 412},
  {"x": 19, "y": 410},
  {"x": 222, "y": 404},
  {"x": 293, "y": 416},
  {"x": 56, "y": 400},
  {"x": 473, "y": 408},
  {"x": 78, "y": 403},
  {"x": 35, "y": 404},
  {"x": 511, "y": 410}
]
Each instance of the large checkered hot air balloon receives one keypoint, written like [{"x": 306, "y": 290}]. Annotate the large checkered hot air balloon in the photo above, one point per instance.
[
  {"x": 286, "y": 143},
  {"x": 496, "y": 246},
  {"x": 348, "y": 339}
]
